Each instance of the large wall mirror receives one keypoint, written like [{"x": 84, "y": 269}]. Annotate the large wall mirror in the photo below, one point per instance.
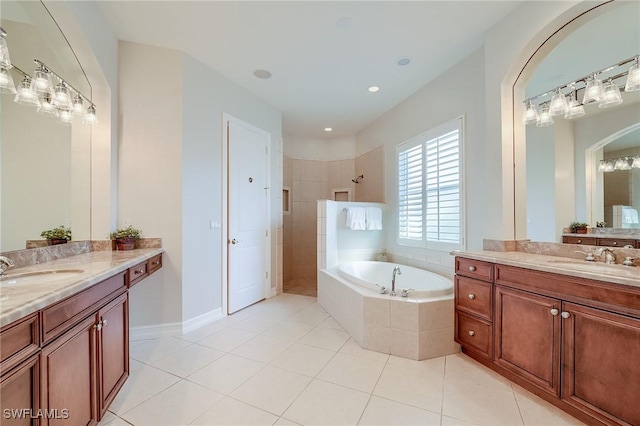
[
  {"x": 45, "y": 175},
  {"x": 563, "y": 180}
]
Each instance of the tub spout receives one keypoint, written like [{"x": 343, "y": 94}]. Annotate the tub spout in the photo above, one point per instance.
[{"x": 396, "y": 271}]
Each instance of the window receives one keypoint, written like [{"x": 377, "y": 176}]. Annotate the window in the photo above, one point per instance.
[{"x": 429, "y": 189}]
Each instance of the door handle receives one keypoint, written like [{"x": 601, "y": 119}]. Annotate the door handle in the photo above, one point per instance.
[{"x": 234, "y": 241}]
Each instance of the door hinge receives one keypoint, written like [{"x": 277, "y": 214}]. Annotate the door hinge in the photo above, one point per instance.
[
  {"x": 266, "y": 149},
  {"x": 266, "y": 232},
  {"x": 266, "y": 275}
]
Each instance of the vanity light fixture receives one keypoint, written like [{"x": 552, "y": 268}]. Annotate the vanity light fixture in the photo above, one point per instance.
[
  {"x": 46, "y": 107},
  {"x": 65, "y": 116},
  {"x": 62, "y": 97},
  {"x": 606, "y": 95},
  {"x": 26, "y": 95},
  {"x": 621, "y": 163},
  {"x": 41, "y": 81},
  {"x": 78, "y": 105},
  {"x": 5, "y": 60},
  {"x": 544, "y": 119},
  {"x": 636, "y": 162},
  {"x": 6, "y": 81}
]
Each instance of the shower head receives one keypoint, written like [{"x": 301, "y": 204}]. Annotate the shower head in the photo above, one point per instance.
[{"x": 357, "y": 179}]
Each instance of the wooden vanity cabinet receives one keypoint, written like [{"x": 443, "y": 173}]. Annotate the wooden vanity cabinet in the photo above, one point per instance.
[{"x": 20, "y": 393}]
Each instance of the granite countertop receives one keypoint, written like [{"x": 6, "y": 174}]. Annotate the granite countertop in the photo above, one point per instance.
[
  {"x": 17, "y": 301},
  {"x": 621, "y": 236},
  {"x": 575, "y": 267}
]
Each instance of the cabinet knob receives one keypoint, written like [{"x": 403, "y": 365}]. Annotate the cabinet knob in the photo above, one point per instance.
[
  {"x": 615, "y": 243},
  {"x": 472, "y": 268},
  {"x": 555, "y": 312},
  {"x": 579, "y": 241},
  {"x": 155, "y": 263},
  {"x": 472, "y": 333},
  {"x": 565, "y": 315},
  {"x": 98, "y": 326},
  {"x": 138, "y": 271},
  {"x": 104, "y": 322},
  {"x": 472, "y": 296}
]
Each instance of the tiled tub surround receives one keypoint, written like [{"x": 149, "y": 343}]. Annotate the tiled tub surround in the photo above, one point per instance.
[
  {"x": 18, "y": 301},
  {"x": 411, "y": 328}
]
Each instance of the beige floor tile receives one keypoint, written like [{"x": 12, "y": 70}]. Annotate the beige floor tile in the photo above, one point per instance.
[
  {"x": 310, "y": 315},
  {"x": 134, "y": 365},
  {"x": 537, "y": 412},
  {"x": 226, "y": 374},
  {"x": 108, "y": 416},
  {"x": 151, "y": 350},
  {"x": 325, "y": 338},
  {"x": 407, "y": 386},
  {"x": 272, "y": 389},
  {"x": 476, "y": 404},
  {"x": 118, "y": 422},
  {"x": 141, "y": 385},
  {"x": 381, "y": 411},
  {"x": 284, "y": 422},
  {"x": 232, "y": 412},
  {"x": 353, "y": 348},
  {"x": 352, "y": 372},
  {"x": 303, "y": 359},
  {"x": 180, "y": 404},
  {"x": 431, "y": 366},
  {"x": 450, "y": 421},
  {"x": 461, "y": 368},
  {"x": 263, "y": 348},
  {"x": 331, "y": 323},
  {"x": 202, "y": 332},
  {"x": 188, "y": 360},
  {"x": 257, "y": 323},
  {"x": 324, "y": 403},
  {"x": 228, "y": 339},
  {"x": 291, "y": 330}
]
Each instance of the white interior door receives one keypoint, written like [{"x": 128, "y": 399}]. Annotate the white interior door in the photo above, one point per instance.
[{"x": 248, "y": 216}]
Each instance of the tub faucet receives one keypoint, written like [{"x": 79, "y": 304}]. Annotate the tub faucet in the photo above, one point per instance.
[
  {"x": 608, "y": 254},
  {"x": 5, "y": 263},
  {"x": 396, "y": 271}
]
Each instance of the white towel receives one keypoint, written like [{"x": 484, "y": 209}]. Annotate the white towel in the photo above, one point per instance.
[
  {"x": 629, "y": 215},
  {"x": 356, "y": 218},
  {"x": 374, "y": 218}
]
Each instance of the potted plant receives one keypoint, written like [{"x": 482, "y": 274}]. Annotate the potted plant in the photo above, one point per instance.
[
  {"x": 125, "y": 238},
  {"x": 579, "y": 227},
  {"x": 57, "y": 235}
]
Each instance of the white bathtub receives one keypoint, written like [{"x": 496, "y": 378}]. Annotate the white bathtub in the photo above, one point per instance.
[
  {"x": 418, "y": 327},
  {"x": 373, "y": 275}
]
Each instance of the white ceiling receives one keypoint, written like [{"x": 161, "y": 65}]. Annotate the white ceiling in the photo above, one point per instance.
[{"x": 321, "y": 63}]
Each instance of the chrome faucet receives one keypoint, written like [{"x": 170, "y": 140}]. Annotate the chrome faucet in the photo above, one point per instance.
[
  {"x": 609, "y": 255},
  {"x": 396, "y": 271},
  {"x": 5, "y": 263}
]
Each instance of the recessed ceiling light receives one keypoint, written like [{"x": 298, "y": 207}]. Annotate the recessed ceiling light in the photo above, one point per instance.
[
  {"x": 403, "y": 61},
  {"x": 262, "y": 74},
  {"x": 328, "y": 129},
  {"x": 373, "y": 89}
]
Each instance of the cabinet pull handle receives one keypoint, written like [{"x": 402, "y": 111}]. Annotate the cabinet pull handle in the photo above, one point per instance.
[
  {"x": 555, "y": 312},
  {"x": 98, "y": 326},
  {"x": 472, "y": 333},
  {"x": 138, "y": 271},
  {"x": 565, "y": 315},
  {"x": 472, "y": 268},
  {"x": 104, "y": 322},
  {"x": 472, "y": 296},
  {"x": 155, "y": 263}
]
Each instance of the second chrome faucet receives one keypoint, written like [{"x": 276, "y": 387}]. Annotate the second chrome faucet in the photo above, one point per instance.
[{"x": 396, "y": 271}]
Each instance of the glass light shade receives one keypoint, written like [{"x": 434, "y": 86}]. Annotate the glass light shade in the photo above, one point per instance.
[
  {"x": 544, "y": 119},
  {"x": 5, "y": 60},
  {"x": 559, "y": 104},
  {"x": 62, "y": 98},
  {"x": 41, "y": 81},
  {"x": 46, "y": 107},
  {"x": 622, "y": 164},
  {"x": 530, "y": 114},
  {"x": 594, "y": 90},
  {"x": 575, "y": 110},
  {"x": 6, "y": 81},
  {"x": 78, "y": 105},
  {"x": 25, "y": 95},
  {"x": 611, "y": 96},
  {"x": 65, "y": 116},
  {"x": 636, "y": 163},
  {"x": 633, "y": 78},
  {"x": 90, "y": 117},
  {"x": 602, "y": 166}
]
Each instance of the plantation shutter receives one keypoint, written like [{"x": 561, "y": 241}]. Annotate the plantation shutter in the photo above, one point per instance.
[{"x": 410, "y": 190}]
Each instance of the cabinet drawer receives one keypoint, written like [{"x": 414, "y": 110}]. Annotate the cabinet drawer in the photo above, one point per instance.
[
  {"x": 474, "y": 269},
  {"x": 137, "y": 273},
  {"x": 18, "y": 341},
  {"x": 579, "y": 240},
  {"x": 63, "y": 315},
  {"x": 616, "y": 242},
  {"x": 154, "y": 264},
  {"x": 474, "y": 334},
  {"x": 474, "y": 296}
]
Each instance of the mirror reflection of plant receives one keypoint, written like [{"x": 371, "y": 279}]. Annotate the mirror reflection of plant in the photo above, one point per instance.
[
  {"x": 577, "y": 225},
  {"x": 60, "y": 232},
  {"x": 128, "y": 232}
]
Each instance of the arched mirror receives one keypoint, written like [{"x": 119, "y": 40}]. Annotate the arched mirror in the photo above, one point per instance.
[
  {"x": 45, "y": 174},
  {"x": 564, "y": 179}
]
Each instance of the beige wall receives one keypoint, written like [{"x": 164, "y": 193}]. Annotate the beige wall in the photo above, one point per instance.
[{"x": 371, "y": 165}]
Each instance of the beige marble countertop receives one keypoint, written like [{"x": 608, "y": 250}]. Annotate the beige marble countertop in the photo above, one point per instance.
[
  {"x": 620, "y": 236},
  {"x": 575, "y": 267},
  {"x": 17, "y": 301}
]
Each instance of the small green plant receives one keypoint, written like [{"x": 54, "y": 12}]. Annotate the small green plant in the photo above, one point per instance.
[
  {"x": 57, "y": 233},
  {"x": 578, "y": 225},
  {"x": 128, "y": 232}
]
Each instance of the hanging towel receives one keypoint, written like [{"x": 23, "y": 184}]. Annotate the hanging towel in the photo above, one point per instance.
[
  {"x": 356, "y": 218},
  {"x": 629, "y": 215},
  {"x": 374, "y": 218}
]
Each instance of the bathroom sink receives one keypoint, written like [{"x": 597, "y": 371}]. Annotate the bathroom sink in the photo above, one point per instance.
[{"x": 38, "y": 277}]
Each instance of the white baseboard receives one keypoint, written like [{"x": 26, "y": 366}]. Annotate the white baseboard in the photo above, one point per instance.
[
  {"x": 273, "y": 293},
  {"x": 174, "y": 328},
  {"x": 201, "y": 320}
]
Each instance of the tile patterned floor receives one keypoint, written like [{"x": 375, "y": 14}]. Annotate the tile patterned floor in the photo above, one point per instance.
[
  {"x": 285, "y": 361},
  {"x": 304, "y": 287}
]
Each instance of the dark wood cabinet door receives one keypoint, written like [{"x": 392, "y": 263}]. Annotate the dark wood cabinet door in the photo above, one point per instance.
[
  {"x": 20, "y": 394},
  {"x": 527, "y": 336},
  {"x": 68, "y": 376},
  {"x": 113, "y": 349},
  {"x": 601, "y": 361}
]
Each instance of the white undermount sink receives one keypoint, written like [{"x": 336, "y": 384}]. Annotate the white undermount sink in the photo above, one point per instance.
[{"x": 38, "y": 277}]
